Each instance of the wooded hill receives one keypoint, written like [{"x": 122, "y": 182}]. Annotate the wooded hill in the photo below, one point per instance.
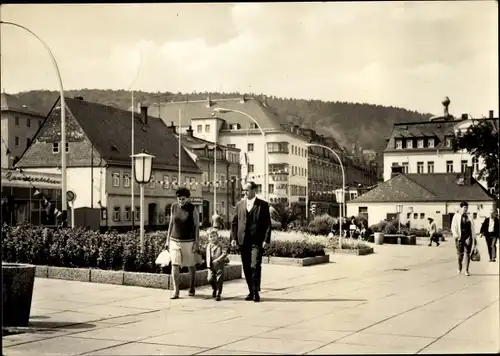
[{"x": 366, "y": 125}]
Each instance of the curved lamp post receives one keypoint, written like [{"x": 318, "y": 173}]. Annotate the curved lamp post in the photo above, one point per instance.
[
  {"x": 266, "y": 187},
  {"x": 341, "y": 195},
  {"x": 64, "y": 202},
  {"x": 143, "y": 164}
]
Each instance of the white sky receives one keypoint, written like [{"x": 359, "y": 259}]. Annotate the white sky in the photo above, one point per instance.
[{"x": 402, "y": 54}]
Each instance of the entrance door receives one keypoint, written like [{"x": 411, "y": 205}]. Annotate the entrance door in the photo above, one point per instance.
[
  {"x": 447, "y": 221},
  {"x": 392, "y": 216},
  {"x": 152, "y": 214}
]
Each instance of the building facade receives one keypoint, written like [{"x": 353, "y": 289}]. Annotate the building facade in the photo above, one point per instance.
[
  {"x": 19, "y": 126},
  {"x": 99, "y": 166}
]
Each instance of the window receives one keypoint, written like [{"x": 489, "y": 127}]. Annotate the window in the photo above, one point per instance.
[
  {"x": 430, "y": 167},
  {"x": 204, "y": 177},
  {"x": 116, "y": 179},
  {"x": 126, "y": 180},
  {"x": 165, "y": 182},
  {"x": 449, "y": 166},
  {"x": 152, "y": 182},
  {"x": 271, "y": 188},
  {"x": 463, "y": 166},
  {"x": 408, "y": 216},
  {"x": 137, "y": 213},
  {"x": 231, "y": 145},
  {"x": 422, "y": 215},
  {"x": 55, "y": 147},
  {"x": 28, "y": 122},
  {"x": 28, "y": 141},
  {"x": 17, "y": 120},
  {"x": 415, "y": 215},
  {"x": 475, "y": 164},
  {"x": 406, "y": 168},
  {"x": 16, "y": 140},
  {"x": 250, "y": 168},
  {"x": 448, "y": 142},
  {"x": 207, "y": 128},
  {"x": 116, "y": 213},
  {"x": 40, "y": 123},
  {"x": 199, "y": 128},
  {"x": 252, "y": 125},
  {"x": 128, "y": 213},
  {"x": 399, "y": 144},
  {"x": 250, "y": 147},
  {"x": 420, "y": 143},
  {"x": 430, "y": 143},
  {"x": 409, "y": 143},
  {"x": 222, "y": 181},
  {"x": 420, "y": 167}
]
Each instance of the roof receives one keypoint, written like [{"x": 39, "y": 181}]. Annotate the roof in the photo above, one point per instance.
[
  {"x": 196, "y": 143},
  {"x": 437, "y": 187},
  {"x": 261, "y": 112},
  {"x": 9, "y": 102},
  {"x": 439, "y": 129},
  {"x": 109, "y": 129}
]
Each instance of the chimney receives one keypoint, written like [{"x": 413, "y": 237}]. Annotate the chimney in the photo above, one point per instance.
[
  {"x": 189, "y": 131},
  {"x": 171, "y": 128},
  {"x": 446, "y": 104},
  {"x": 243, "y": 99},
  {"x": 144, "y": 114},
  {"x": 464, "y": 116},
  {"x": 491, "y": 114},
  {"x": 468, "y": 175},
  {"x": 209, "y": 101}
]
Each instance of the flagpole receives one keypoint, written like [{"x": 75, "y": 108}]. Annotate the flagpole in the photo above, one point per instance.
[
  {"x": 179, "y": 133},
  {"x": 132, "y": 180}
]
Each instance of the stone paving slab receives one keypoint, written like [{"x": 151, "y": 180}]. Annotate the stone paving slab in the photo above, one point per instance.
[{"x": 351, "y": 305}]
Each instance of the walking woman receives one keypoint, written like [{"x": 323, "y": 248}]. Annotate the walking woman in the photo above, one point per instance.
[
  {"x": 463, "y": 230},
  {"x": 432, "y": 229},
  {"x": 491, "y": 231},
  {"x": 182, "y": 239}
]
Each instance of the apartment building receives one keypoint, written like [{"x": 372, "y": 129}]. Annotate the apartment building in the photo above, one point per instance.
[
  {"x": 98, "y": 152},
  {"x": 19, "y": 125}
]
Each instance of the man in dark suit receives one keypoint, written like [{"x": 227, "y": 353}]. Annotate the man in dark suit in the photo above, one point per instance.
[
  {"x": 251, "y": 230},
  {"x": 491, "y": 231}
]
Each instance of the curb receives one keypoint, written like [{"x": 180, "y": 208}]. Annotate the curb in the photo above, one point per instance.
[{"x": 289, "y": 261}]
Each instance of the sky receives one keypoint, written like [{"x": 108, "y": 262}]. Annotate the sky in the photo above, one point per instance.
[{"x": 404, "y": 54}]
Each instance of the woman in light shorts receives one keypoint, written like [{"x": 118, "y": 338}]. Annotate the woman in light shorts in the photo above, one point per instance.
[{"x": 182, "y": 239}]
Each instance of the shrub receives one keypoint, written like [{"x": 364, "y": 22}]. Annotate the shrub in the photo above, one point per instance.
[
  {"x": 380, "y": 227},
  {"x": 392, "y": 227},
  {"x": 419, "y": 232},
  {"x": 322, "y": 224}
]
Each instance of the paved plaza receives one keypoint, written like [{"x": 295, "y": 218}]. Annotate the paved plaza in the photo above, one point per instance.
[{"x": 402, "y": 299}]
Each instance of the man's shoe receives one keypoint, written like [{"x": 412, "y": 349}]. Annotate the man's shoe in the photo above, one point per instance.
[
  {"x": 191, "y": 293},
  {"x": 430, "y": 244},
  {"x": 175, "y": 295},
  {"x": 214, "y": 294},
  {"x": 249, "y": 297},
  {"x": 256, "y": 298},
  {"x": 459, "y": 271},
  {"x": 217, "y": 298},
  {"x": 467, "y": 273},
  {"x": 437, "y": 243}
]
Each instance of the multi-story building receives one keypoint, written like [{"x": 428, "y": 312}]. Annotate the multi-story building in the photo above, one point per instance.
[
  {"x": 227, "y": 179},
  {"x": 427, "y": 147},
  {"x": 290, "y": 162},
  {"x": 19, "y": 125},
  {"x": 98, "y": 152}
]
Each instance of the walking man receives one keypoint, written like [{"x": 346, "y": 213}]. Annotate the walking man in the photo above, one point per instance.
[
  {"x": 251, "y": 230},
  {"x": 463, "y": 230},
  {"x": 432, "y": 229},
  {"x": 491, "y": 231}
]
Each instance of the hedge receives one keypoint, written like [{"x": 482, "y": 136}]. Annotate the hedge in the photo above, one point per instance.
[{"x": 66, "y": 247}]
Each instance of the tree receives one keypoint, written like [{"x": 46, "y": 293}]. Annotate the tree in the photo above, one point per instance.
[{"x": 481, "y": 141}]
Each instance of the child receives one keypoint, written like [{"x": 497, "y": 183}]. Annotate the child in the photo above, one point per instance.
[{"x": 216, "y": 259}]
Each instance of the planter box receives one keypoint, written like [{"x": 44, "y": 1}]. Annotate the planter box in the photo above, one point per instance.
[
  {"x": 148, "y": 280},
  {"x": 289, "y": 261},
  {"x": 106, "y": 277},
  {"x": 70, "y": 274},
  {"x": 42, "y": 271},
  {"x": 397, "y": 239},
  {"x": 357, "y": 252},
  {"x": 17, "y": 292}
]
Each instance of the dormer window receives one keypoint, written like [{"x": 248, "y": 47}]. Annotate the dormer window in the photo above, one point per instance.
[
  {"x": 409, "y": 143},
  {"x": 430, "y": 143},
  {"x": 448, "y": 141},
  {"x": 253, "y": 126},
  {"x": 420, "y": 143},
  {"x": 399, "y": 144}
]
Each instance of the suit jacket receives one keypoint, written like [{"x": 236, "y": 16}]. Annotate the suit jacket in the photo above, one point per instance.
[
  {"x": 456, "y": 226},
  {"x": 259, "y": 229},
  {"x": 485, "y": 227}
]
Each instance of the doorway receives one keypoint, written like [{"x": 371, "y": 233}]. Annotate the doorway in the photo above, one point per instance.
[{"x": 152, "y": 214}]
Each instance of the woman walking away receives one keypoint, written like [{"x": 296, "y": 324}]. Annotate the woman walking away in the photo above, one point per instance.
[
  {"x": 182, "y": 239},
  {"x": 463, "y": 230},
  {"x": 491, "y": 231},
  {"x": 432, "y": 229}
]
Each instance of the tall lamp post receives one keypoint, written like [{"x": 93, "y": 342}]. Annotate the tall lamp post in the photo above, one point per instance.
[
  {"x": 399, "y": 210},
  {"x": 143, "y": 164},
  {"x": 340, "y": 194},
  {"x": 266, "y": 186},
  {"x": 64, "y": 201}
]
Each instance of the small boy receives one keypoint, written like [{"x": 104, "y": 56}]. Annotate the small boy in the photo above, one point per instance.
[{"x": 216, "y": 259}]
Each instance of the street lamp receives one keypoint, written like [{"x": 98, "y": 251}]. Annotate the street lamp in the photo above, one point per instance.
[
  {"x": 143, "y": 164},
  {"x": 266, "y": 186},
  {"x": 399, "y": 210},
  {"x": 338, "y": 195},
  {"x": 410, "y": 211},
  {"x": 64, "y": 201}
]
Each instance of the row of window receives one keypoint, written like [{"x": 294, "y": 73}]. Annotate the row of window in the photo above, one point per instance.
[
  {"x": 295, "y": 190},
  {"x": 28, "y": 121},
  {"x": 298, "y": 151},
  {"x": 422, "y": 216},
  {"x": 449, "y": 166},
  {"x": 421, "y": 143},
  {"x": 199, "y": 128},
  {"x": 17, "y": 141},
  {"x": 115, "y": 177}
]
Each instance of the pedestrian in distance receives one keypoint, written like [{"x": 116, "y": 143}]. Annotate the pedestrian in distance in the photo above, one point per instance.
[
  {"x": 490, "y": 229},
  {"x": 432, "y": 229},
  {"x": 182, "y": 239},
  {"x": 463, "y": 230},
  {"x": 251, "y": 231},
  {"x": 216, "y": 258}
]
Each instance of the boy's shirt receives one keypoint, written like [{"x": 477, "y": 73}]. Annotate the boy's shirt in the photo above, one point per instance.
[{"x": 214, "y": 252}]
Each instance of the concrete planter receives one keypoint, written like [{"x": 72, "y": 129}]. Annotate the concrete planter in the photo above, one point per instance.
[
  {"x": 379, "y": 238},
  {"x": 357, "y": 252},
  {"x": 69, "y": 274},
  {"x": 106, "y": 277},
  {"x": 289, "y": 261},
  {"x": 394, "y": 239},
  {"x": 17, "y": 293},
  {"x": 148, "y": 280}
]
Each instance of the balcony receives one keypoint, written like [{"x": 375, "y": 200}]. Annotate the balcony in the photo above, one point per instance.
[{"x": 277, "y": 147}]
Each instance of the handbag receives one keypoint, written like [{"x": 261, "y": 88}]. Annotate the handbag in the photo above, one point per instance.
[
  {"x": 475, "y": 256},
  {"x": 163, "y": 258}
]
